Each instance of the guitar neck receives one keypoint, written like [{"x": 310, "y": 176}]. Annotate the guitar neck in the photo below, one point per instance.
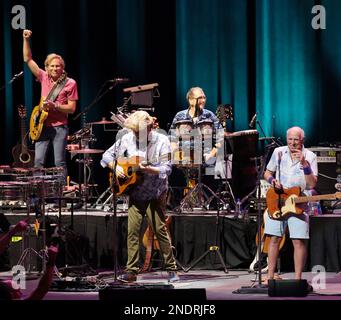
[
  {"x": 316, "y": 198},
  {"x": 23, "y": 133}
]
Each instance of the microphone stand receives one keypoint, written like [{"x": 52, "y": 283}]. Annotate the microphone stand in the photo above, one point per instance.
[
  {"x": 259, "y": 287},
  {"x": 97, "y": 98},
  {"x": 15, "y": 77}
]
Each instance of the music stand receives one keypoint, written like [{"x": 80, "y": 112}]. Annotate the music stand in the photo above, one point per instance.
[{"x": 142, "y": 96}]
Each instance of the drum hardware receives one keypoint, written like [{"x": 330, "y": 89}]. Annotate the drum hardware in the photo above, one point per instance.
[{"x": 38, "y": 205}]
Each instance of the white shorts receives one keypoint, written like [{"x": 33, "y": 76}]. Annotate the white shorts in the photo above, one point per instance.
[{"x": 298, "y": 226}]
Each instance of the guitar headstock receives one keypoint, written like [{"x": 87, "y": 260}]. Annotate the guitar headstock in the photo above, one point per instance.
[
  {"x": 224, "y": 112},
  {"x": 22, "y": 111}
]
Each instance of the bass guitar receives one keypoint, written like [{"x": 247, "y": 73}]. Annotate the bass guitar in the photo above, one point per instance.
[
  {"x": 288, "y": 201},
  {"x": 132, "y": 173},
  {"x": 39, "y": 114},
  {"x": 23, "y": 157}
]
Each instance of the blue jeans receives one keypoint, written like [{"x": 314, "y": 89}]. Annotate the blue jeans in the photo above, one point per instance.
[{"x": 58, "y": 137}]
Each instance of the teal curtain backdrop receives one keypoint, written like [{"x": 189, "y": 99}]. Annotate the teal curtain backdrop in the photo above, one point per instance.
[
  {"x": 212, "y": 53},
  {"x": 258, "y": 55}
]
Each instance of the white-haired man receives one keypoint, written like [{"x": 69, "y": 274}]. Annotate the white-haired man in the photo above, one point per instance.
[
  {"x": 147, "y": 198},
  {"x": 290, "y": 166}
]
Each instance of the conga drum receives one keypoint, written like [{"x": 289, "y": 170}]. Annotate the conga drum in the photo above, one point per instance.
[{"x": 243, "y": 146}]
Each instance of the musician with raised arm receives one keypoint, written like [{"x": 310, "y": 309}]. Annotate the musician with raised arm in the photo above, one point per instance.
[
  {"x": 49, "y": 120},
  {"x": 141, "y": 165},
  {"x": 290, "y": 166}
]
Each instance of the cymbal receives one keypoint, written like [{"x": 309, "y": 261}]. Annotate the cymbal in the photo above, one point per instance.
[
  {"x": 103, "y": 121},
  {"x": 87, "y": 151},
  {"x": 266, "y": 138}
]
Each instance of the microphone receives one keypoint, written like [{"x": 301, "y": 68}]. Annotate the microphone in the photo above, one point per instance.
[
  {"x": 253, "y": 120},
  {"x": 16, "y": 76},
  {"x": 120, "y": 80},
  {"x": 280, "y": 154}
]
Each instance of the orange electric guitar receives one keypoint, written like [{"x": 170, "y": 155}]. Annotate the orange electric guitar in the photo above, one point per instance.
[
  {"x": 290, "y": 200},
  {"x": 39, "y": 114}
]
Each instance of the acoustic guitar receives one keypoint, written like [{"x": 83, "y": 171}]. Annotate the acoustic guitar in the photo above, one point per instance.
[
  {"x": 288, "y": 201},
  {"x": 264, "y": 247},
  {"x": 151, "y": 244},
  {"x": 131, "y": 170},
  {"x": 39, "y": 115},
  {"x": 23, "y": 157}
]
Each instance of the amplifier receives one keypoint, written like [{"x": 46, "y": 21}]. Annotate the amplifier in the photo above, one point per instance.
[{"x": 329, "y": 167}]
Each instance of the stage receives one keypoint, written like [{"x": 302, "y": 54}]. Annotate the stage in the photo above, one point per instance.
[{"x": 86, "y": 237}]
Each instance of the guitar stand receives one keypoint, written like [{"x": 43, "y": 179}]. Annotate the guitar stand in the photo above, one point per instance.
[{"x": 212, "y": 249}]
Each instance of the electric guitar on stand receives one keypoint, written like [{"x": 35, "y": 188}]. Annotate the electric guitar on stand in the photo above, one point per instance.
[
  {"x": 23, "y": 157},
  {"x": 39, "y": 114}
]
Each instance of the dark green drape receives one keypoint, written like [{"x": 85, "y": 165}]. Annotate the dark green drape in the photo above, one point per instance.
[{"x": 212, "y": 53}]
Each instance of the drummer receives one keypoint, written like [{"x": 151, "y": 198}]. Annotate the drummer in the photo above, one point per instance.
[{"x": 193, "y": 116}]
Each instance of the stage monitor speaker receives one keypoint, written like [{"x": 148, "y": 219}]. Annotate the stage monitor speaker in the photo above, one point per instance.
[
  {"x": 288, "y": 288},
  {"x": 329, "y": 167},
  {"x": 152, "y": 293}
]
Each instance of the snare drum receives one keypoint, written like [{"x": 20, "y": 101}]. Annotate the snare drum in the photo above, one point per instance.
[{"x": 243, "y": 144}]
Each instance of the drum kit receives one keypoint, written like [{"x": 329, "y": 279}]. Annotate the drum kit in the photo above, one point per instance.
[{"x": 189, "y": 157}]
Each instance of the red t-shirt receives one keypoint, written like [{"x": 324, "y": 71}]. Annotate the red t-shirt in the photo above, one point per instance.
[{"x": 69, "y": 92}]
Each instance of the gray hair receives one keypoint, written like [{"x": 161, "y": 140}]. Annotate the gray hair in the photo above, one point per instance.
[
  {"x": 298, "y": 129},
  {"x": 190, "y": 91}
]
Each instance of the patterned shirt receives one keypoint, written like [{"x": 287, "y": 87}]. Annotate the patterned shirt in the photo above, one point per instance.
[
  {"x": 152, "y": 185},
  {"x": 291, "y": 171}
]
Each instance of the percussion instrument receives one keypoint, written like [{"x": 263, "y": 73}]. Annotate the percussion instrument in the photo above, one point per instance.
[
  {"x": 243, "y": 144},
  {"x": 14, "y": 190},
  {"x": 184, "y": 127},
  {"x": 87, "y": 151},
  {"x": 103, "y": 121},
  {"x": 184, "y": 159},
  {"x": 205, "y": 127},
  {"x": 45, "y": 188}
]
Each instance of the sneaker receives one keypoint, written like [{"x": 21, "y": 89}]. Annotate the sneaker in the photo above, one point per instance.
[
  {"x": 173, "y": 276},
  {"x": 127, "y": 277}
]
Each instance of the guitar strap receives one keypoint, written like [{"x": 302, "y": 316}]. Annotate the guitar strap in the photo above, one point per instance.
[{"x": 53, "y": 94}]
